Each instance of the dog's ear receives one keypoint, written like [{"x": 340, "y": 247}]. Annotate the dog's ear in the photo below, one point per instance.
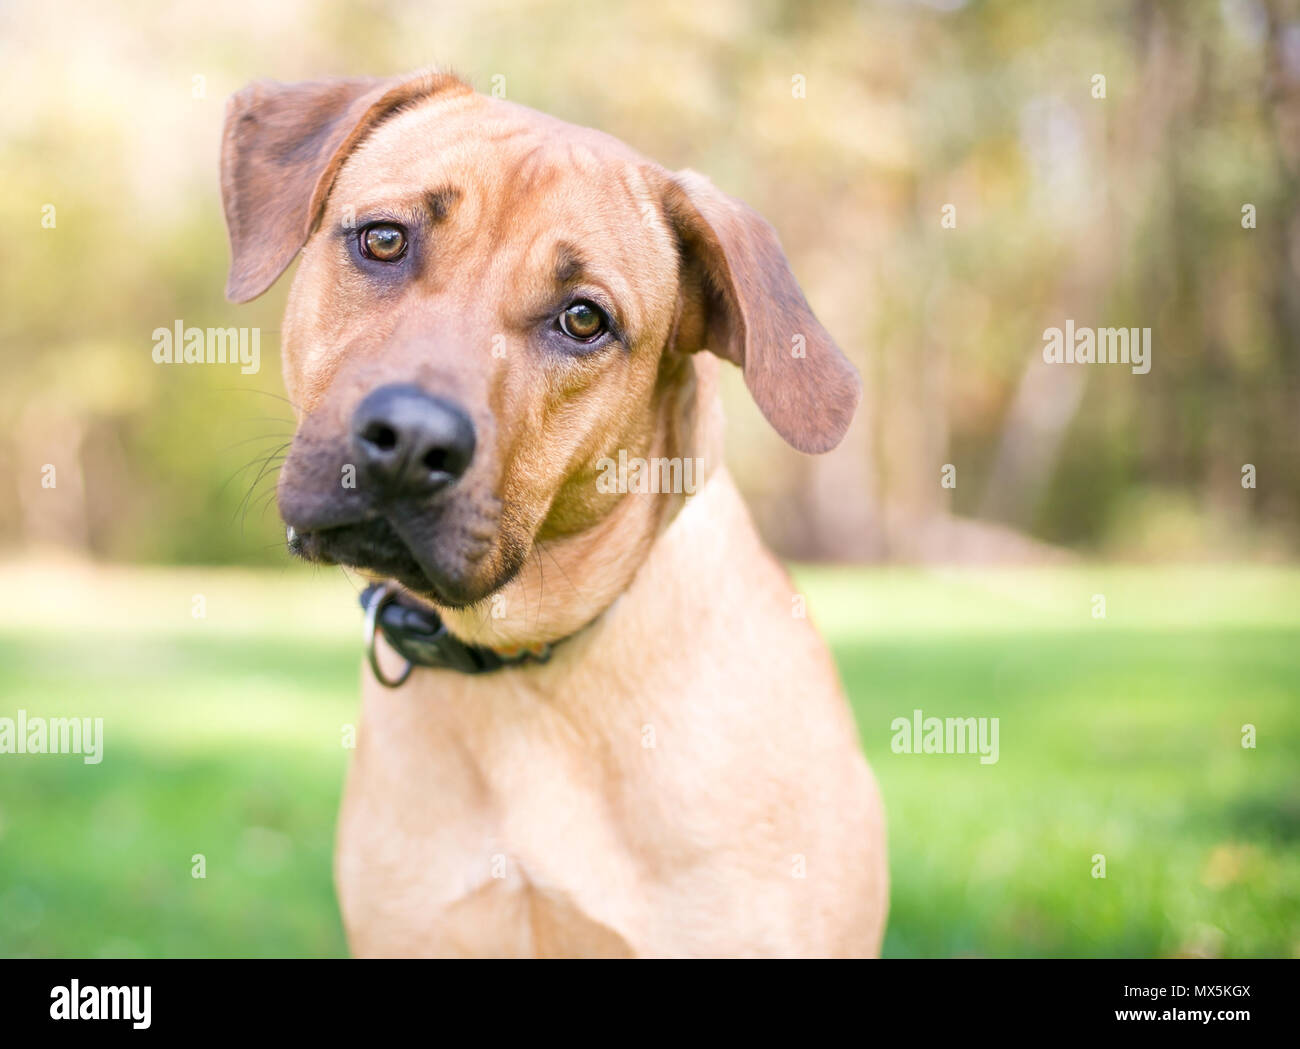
[
  {"x": 281, "y": 148},
  {"x": 748, "y": 309}
]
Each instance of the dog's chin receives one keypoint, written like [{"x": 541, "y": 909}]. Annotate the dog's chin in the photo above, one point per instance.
[{"x": 375, "y": 547}]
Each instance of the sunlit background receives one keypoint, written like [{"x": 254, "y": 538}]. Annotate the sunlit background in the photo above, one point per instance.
[{"x": 1111, "y": 164}]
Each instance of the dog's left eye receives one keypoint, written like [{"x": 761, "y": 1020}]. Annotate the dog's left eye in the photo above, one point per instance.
[
  {"x": 383, "y": 241},
  {"x": 584, "y": 321}
]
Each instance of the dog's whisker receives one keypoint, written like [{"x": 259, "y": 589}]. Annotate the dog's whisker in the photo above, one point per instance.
[
  {"x": 264, "y": 393},
  {"x": 541, "y": 588},
  {"x": 351, "y": 577},
  {"x": 275, "y": 456},
  {"x": 481, "y": 622},
  {"x": 259, "y": 437},
  {"x": 257, "y": 459},
  {"x": 265, "y": 501},
  {"x": 555, "y": 561}
]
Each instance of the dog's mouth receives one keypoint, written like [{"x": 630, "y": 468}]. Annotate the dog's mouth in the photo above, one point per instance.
[
  {"x": 373, "y": 546},
  {"x": 377, "y": 547}
]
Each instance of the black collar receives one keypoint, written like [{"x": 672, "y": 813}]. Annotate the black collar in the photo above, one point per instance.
[{"x": 420, "y": 637}]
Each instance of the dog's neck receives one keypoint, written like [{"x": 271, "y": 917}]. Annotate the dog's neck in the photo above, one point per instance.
[{"x": 568, "y": 582}]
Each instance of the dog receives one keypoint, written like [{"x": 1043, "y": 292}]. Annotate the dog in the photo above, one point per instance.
[{"x": 644, "y": 749}]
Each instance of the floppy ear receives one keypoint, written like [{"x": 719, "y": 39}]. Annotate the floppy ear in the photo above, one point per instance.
[
  {"x": 281, "y": 148},
  {"x": 754, "y": 315}
]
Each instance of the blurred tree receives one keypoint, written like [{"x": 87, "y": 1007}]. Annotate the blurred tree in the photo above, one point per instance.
[{"x": 944, "y": 176}]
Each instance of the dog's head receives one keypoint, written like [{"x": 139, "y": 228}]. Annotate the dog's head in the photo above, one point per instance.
[{"x": 489, "y": 303}]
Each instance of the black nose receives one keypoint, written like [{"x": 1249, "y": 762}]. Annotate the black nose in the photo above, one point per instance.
[{"x": 411, "y": 442}]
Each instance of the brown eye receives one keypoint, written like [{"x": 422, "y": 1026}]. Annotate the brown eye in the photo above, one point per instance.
[
  {"x": 583, "y": 321},
  {"x": 383, "y": 241}
]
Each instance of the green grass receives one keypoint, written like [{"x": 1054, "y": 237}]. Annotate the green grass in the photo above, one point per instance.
[{"x": 1119, "y": 736}]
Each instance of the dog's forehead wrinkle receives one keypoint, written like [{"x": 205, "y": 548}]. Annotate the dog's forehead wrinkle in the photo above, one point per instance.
[
  {"x": 441, "y": 200},
  {"x": 493, "y": 129},
  {"x": 569, "y": 263}
]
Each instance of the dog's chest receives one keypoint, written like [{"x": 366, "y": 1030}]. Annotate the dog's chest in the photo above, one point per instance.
[{"x": 481, "y": 839}]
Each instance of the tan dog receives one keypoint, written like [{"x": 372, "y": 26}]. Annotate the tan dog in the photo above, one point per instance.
[{"x": 491, "y": 306}]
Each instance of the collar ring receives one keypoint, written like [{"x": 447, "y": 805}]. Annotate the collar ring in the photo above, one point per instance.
[{"x": 383, "y": 596}]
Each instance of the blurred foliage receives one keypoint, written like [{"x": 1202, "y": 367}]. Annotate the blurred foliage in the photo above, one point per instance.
[{"x": 1115, "y": 211}]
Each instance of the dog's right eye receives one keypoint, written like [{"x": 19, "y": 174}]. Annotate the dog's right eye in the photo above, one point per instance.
[
  {"x": 383, "y": 241},
  {"x": 584, "y": 321}
]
